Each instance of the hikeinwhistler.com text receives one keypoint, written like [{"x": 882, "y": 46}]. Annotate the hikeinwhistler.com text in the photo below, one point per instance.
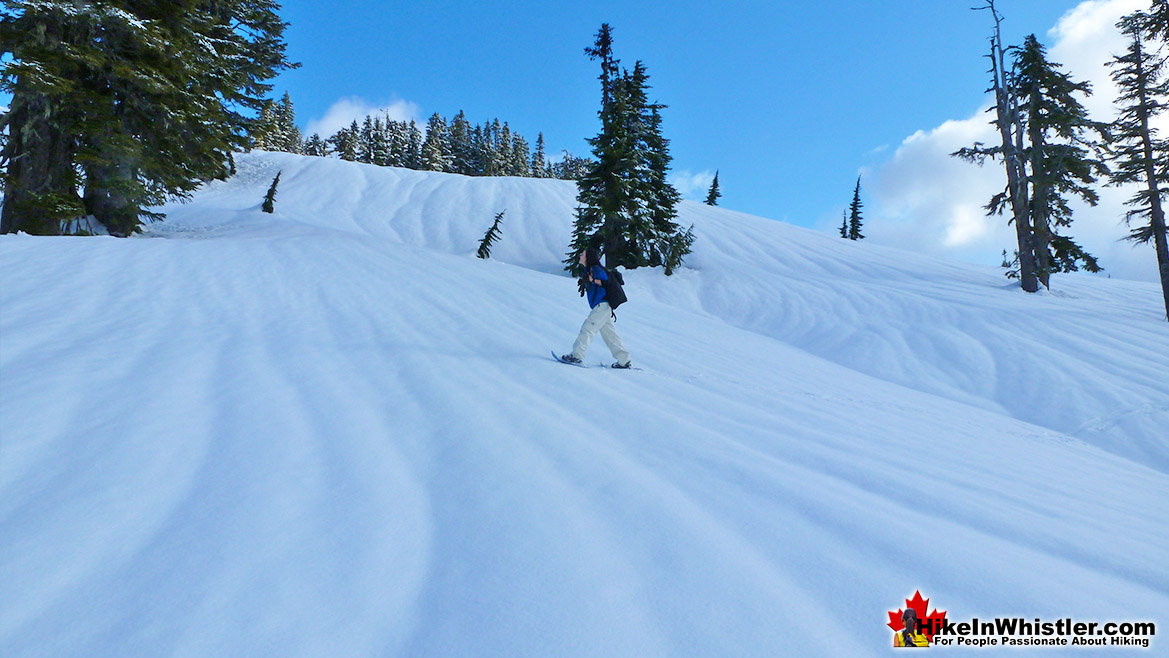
[{"x": 1019, "y": 632}]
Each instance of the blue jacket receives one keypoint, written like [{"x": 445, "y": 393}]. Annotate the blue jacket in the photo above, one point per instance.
[{"x": 595, "y": 291}]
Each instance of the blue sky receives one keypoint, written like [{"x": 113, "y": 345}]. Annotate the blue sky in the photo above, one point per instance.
[{"x": 788, "y": 100}]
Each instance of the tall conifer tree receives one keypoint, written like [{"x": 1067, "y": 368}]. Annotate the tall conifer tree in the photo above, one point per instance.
[
  {"x": 854, "y": 213},
  {"x": 1008, "y": 120},
  {"x": 147, "y": 97},
  {"x": 1158, "y": 21},
  {"x": 147, "y": 93},
  {"x": 462, "y": 155},
  {"x": 539, "y": 165},
  {"x": 1141, "y": 156},
  {"x": 1060, "y": 154},
  {"x": 289, "y": 138},
  {"x": 625, "y": 204},
  {"x": 413, "y": 154}
]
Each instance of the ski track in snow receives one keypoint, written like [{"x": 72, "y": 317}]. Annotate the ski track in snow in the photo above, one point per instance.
[{"x": 331, "y": 431}]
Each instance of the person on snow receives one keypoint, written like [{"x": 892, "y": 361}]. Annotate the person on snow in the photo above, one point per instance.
[{"x": 601, "y": 317}]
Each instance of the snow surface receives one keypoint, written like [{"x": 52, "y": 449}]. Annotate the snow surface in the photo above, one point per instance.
[{"x": 332, "y": 431}]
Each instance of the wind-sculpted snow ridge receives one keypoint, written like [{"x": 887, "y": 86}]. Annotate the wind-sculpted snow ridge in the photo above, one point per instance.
[
  {"x": 332, "y": 431},
  {"x": 1083, "y": 360}
]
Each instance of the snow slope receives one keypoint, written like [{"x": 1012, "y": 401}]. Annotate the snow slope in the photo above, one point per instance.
[{"x": 334, "y": 432}]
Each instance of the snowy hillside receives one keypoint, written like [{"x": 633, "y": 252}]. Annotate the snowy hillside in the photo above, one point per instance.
[{"x": 332, "y": 431}]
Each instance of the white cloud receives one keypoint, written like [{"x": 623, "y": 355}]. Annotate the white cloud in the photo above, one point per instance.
[
  {"x": 925, "y": 200},
  {"x": 352, "y": 108},
  {"x": 691, "y": 186}
]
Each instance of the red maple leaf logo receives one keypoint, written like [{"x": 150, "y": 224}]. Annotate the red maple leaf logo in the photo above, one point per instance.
[{"x": 919, "y": 606}]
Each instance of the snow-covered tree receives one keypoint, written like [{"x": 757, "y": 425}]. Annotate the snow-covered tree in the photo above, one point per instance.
[
  {"x": 265, "y": 131},
  {"x": 462, "y": 154},
  {"x": 412, "y": 157},
  {"x": 539, "y": 165},
  {"x": 287, "y": 136},
  {"x": 379, "y": 143},
  {"x": 365, "y": 140},
  {"x": 314, "y": 145},
  {"x": 436, "y": 149},
  {"x": 520, "y": 153},
  {"x": 346, "y": 142}
]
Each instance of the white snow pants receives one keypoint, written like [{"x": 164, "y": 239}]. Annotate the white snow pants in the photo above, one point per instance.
[{"x": 601, "y": 318}]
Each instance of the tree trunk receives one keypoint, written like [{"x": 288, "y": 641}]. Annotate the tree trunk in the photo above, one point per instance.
[
  {"x": 110, "y": 185},
  {"x": 106, "y": 200},
  {"x": 1156, "y": 211},
  {"x": 1021, "y": 206},
  {"x": 41, "y": 188},
  {"x": 1159, "y": 241},
  {"x": 1007, "y": 114},
  {"x": 1039, "y": 224}
]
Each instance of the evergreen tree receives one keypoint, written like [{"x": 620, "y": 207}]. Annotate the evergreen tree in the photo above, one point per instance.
[
  {"x": 399, "y": 143},
  {"x": 713, "y": 195},
  {"x": 844, "y": 224},
  {"x": 520, "y": 153},
  {"x": 135, "y": 101},
  {"x": 265, "y": 131},
  {"x": 492, "y": 159},
  {"x": 669, "y": 244},
  {"x": 269, "y": 204},
  {"x": 492, "y": 235},
  {"x": 603, "y": 192},
  {"x": 854, "y": 213},
  {"x": 503, "y": 152},
  {"x": 436, "y": 149},
  {"x": 413, "y": 155},
  {"x": 1158, "y": 21},
  {"x": 380, "y": 143},
  {"x": 346, "y": 143},
  {"x": 1008, "y": 120},
  {"x": 539, "y": 166},
  {"x": 40, "y": 151},
  {"x": 625, "y": 204},
  {"x": 288, "y": 135},
  {"x": 462, "y": 154},
  {"x": 478, "y": 163},
  {"x": 365, "y": 139},
  {"x": 571, "y": 167},
  {"x": 1061, "y": 158},
  {"x": 314, "y": 145},
  {"x": 1140, "y": 155}
]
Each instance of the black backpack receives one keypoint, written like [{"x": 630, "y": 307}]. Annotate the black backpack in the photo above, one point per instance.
[{"x": 614, "y": 293}]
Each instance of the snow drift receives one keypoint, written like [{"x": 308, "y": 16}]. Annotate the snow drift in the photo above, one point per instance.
[{"x": 333, "y": 431}]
